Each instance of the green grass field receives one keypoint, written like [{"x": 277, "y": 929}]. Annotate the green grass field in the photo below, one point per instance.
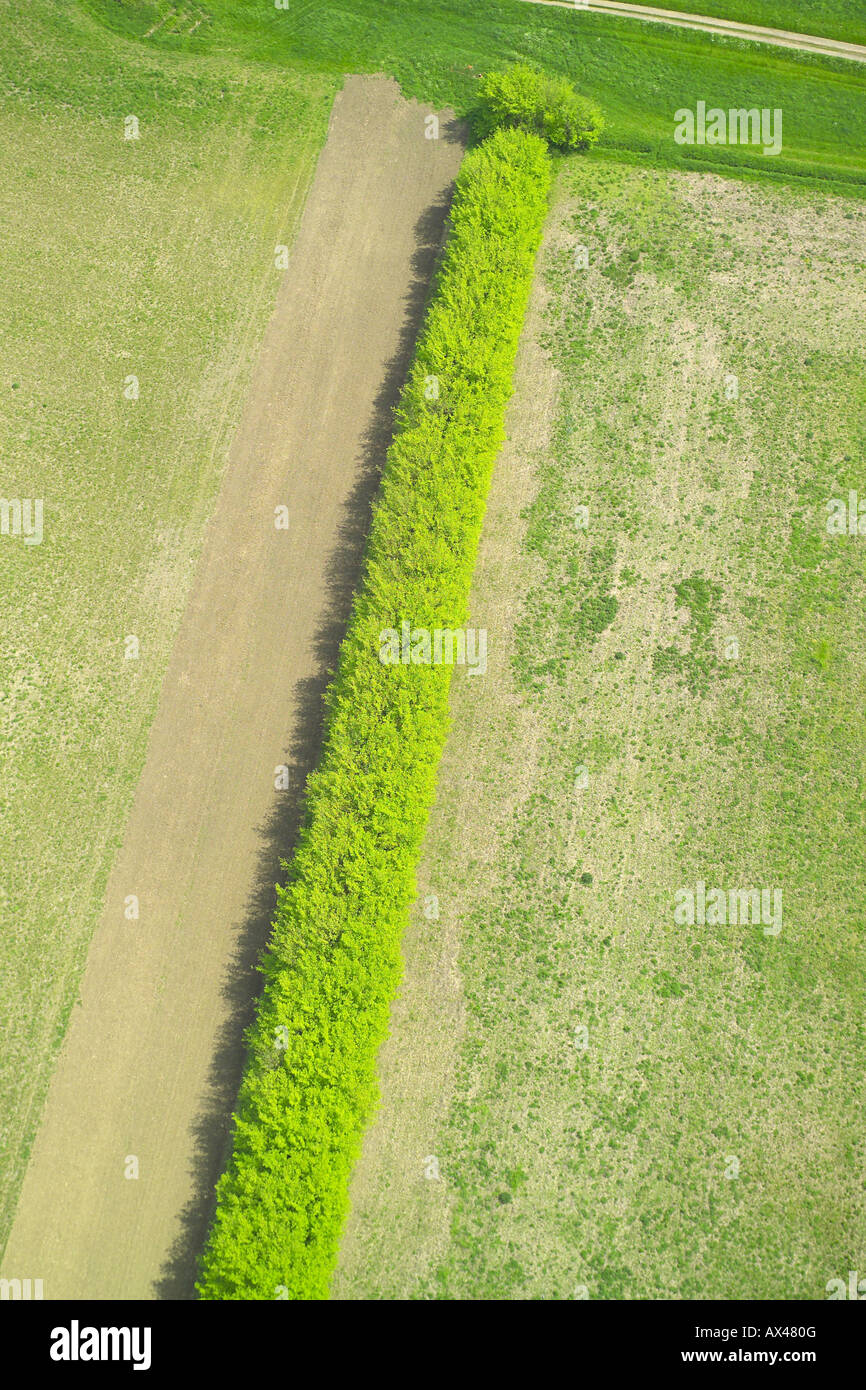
[
  {"x": 640, "y": 74},
  {"x": 151, "y": 258},
  {"x": 637, "y": 1108}
]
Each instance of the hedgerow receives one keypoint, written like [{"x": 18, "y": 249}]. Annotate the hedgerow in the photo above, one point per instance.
[{"x": 333, "y": 961}]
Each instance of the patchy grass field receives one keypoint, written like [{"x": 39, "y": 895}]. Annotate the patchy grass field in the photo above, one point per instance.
[
  {"x": 151, "y": 258},
  {"x": 584, "y": 1098}
]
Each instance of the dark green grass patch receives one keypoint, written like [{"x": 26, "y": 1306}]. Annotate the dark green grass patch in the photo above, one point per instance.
[{"x": 639, "y": 74}]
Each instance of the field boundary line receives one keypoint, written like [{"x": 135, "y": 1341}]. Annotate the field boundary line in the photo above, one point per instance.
[{"x": 726, "y": 28}]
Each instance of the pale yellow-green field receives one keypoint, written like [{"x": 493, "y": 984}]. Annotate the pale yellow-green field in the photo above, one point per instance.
[{"x": 150, "y": 258}]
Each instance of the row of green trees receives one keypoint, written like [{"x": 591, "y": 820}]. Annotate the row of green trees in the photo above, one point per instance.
[{"x": 333, "y": 962}]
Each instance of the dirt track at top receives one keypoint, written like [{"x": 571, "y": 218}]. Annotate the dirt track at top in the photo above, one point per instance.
[
  {"x": 727, "y": 28},
  {"x": 151, "y": 1061}
]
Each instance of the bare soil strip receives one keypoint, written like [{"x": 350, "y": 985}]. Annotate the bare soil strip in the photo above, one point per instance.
[
  {"x": 152, "y": 1057},
  {"x": 729, "y": 28}
]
